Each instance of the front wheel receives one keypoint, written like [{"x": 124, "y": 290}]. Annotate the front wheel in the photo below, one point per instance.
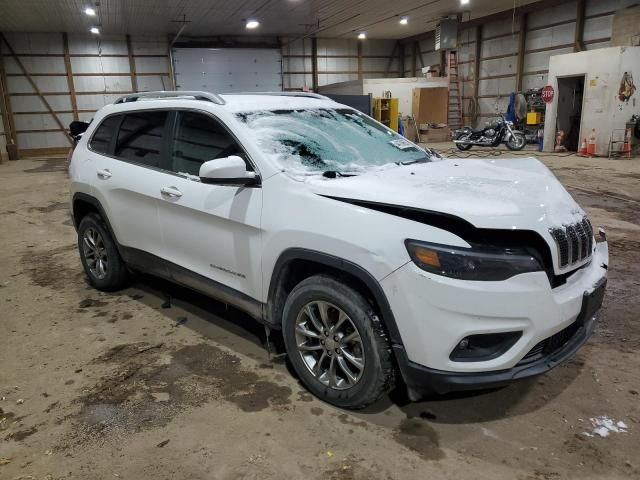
[
  {"x": 336, "y": 343},
  {"x": 463, "y": 146},
  {"x": 516, "y": 141}
]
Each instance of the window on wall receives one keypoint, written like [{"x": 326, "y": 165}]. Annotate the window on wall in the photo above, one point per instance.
[
  {"x": 140, "y": 137},
  {"x": 199, "y": 138},
  {"x": 101, "y": 140}
]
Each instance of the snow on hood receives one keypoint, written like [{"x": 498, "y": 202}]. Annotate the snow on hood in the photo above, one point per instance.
[{"x": 516, "y": 193}]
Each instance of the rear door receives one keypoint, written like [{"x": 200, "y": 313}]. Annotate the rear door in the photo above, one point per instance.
[
  {"x": 129, "y": 180},
  {"x": 210, "y": 230}
]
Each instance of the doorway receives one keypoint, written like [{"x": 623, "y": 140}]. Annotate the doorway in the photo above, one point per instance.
[{"x": 570, "y": 93}]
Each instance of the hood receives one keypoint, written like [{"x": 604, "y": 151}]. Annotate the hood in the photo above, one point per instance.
[{"x": 512, "y": 193}]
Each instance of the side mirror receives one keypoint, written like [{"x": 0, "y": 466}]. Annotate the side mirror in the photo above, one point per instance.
[
  {"x": 77, "y": 128},
  {"x": 230, "y": 170}
]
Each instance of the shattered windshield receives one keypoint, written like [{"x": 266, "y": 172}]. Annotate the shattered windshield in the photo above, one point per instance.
[{"x": 320, "y": 140}]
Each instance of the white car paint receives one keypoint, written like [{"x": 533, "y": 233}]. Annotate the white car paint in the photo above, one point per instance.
[{"x": 235, "y": 235}]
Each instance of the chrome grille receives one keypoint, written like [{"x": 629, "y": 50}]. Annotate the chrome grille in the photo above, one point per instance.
[{"x": 574, "y": 242}]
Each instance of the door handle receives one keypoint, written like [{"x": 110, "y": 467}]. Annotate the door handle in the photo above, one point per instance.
[
  {"x": 104, "y": 174},
  {"x": 172, "y": 192}
]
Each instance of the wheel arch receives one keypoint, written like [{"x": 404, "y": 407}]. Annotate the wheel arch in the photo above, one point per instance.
[
  {"x": 296, "y": 264},
  {"x": 84, "y": 204}
]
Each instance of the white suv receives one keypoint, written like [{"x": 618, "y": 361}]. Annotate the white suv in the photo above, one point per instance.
[{"x": 380, "y": 261}]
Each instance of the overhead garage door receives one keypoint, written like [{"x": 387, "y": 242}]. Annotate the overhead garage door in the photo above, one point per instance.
[{"x": 228, "y": 69}]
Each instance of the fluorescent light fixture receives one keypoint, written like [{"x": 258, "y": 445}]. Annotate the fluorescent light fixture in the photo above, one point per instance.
[
  {"x": 404, "y": 20},
  {"x": 90, "y": 11},
  {"x": 251, "y": 24},
  {"x": 362, "y": 35},
  {"x": 95, "y": 30},
  {"x": 464, "y": 2}
]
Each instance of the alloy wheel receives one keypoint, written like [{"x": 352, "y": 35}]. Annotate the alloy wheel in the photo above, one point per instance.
[
  {"x": 330, "y": 345},
  {"x": 95, "y": 253}
]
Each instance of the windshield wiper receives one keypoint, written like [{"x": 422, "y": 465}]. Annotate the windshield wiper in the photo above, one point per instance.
[
  {"x": 419, "y": 160},
  {"x": 336, "y": 174}
]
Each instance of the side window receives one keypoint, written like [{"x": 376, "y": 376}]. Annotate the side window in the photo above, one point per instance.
[
  {"x": 101, "y": 140},
  {"x": 199, "y": 138},
  {"x": 140, "y": 137}
]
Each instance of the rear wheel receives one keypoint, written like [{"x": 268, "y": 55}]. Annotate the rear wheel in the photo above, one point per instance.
[
  {"x": 336, "y": 343},
  {"x": 463, "y": 146},
  {"x": 517, "y": 141},
  {"x": 99, "y": 255}
]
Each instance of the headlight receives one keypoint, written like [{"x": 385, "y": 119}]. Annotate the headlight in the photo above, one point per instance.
[{"x": 488, "y": 264}]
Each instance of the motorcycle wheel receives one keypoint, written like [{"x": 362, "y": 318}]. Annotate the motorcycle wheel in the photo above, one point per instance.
[
  {"x": 517, "y": 141},
  {"x": 463, "y": 146}
]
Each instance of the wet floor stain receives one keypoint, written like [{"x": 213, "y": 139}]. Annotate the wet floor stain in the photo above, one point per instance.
[
  {"x": 52, "y": 268},
  {"x": 304, "y": 396},
  {"x": 417, "y": 435},
  {"x": 317, "y": 411},
  {"x": 21, "y": 434},
  {"x": 51, "y": 207},
  {"x": 350, "y": 420},
  {"x": 50, "y": 165},
  {"x": 91, "y": 302},
  {"x": 148, "y": 385}
]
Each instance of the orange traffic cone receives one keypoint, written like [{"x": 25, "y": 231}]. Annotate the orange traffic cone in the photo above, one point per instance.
[
  {"x": 583, "y": 148},
  {"x": 591, "y": 147}
]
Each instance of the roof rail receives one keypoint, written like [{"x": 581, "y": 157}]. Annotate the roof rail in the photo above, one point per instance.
[
  {"x": 209, "y": 97},
  {"x": 283, "y": 94}
]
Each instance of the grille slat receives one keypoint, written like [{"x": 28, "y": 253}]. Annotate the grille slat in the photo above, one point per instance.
[{"x": 574, "y": 242}]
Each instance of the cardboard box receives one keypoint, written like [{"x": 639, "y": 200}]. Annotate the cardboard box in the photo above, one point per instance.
[
  {"x": 429, "y": 105},
  {"x": 434, "y": 135}
]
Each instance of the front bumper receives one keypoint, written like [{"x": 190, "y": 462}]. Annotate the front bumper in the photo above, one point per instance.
[{"x": 434, "y": 313}]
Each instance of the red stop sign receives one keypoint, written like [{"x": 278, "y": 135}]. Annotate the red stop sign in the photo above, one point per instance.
[{"x": 547, "y": 94}]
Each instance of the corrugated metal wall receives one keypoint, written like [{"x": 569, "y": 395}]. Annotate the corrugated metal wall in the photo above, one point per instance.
[{"x": 76, "y": 75}]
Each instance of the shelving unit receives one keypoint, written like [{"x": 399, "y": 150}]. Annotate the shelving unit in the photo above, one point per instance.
[{"x": 385, "y": 110}]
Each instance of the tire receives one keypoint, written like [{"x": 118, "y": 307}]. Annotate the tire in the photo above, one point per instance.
[
  {"x": 372, "y": 350},
  {"x": 114, "y": 274},
  {"x": 462, "y": 146},
  {"x": 517, "y": 141}
]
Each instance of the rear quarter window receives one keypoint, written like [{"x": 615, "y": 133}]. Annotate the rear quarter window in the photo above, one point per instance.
[{"x": 101, "y": 140}]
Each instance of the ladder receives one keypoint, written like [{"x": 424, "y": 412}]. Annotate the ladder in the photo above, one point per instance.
[{"x": 454, "y": 108}]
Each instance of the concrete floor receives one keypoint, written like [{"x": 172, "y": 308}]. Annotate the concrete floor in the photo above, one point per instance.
[{"x": 99, "y": 386}]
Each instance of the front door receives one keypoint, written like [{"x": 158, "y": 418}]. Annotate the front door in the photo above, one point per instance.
[{"x": 210, "y": 230}]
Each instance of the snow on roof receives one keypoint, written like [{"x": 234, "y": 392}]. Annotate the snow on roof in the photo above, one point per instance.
[{"x": 252, "y": 103}]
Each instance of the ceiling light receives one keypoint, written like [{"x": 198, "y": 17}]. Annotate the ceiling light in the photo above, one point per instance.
[
  {"x": 95, "y": 30},
  {"x": 251, "y": 24},
  {"x": 464, "y": 2},
  {"x": 404, "y": 20},
  {"x": 90, "y": 11},
  {"x": 362, "y": 36}
]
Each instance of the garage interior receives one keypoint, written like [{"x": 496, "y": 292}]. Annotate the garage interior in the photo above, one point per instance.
[{"x": 156, "y": 381}]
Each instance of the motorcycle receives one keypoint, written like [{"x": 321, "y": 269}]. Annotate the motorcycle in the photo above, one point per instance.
[{"x": 491, "y": 136}]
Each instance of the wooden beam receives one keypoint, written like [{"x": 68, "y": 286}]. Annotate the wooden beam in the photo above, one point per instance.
[
  {"x": 522, "y": 45},
  {"x": 69, "y": 74},
  {"x": 402, "y": 57},
  {"x": 132, "y": 65},
  {"x": 578, "y": 44},
  {"x": 5, "y": 106},
  {"x": 360, "y": 76},
  {"x": 33, "y": 85},
  {"x": 314, "y": 63}
]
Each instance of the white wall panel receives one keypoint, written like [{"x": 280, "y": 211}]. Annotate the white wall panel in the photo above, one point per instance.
[
  {"x": 35, "y": 65},
  {"x": 41, "y": 122},
  {"x": 149, "y": 45},
  {"x": 499, "y": 46},
  {"x": 501, "y": 27},
  {"x": 95, "y": 102},
  {"x": 548, "y": 37},
  {"x": 151, "y": 65},
  {"x": 42, "y": 140},
  {"x": 105, "y": 45},
  {"x": 152, "y": 82},
  {"x": 102, "y": 84},
  {"x": 560, "y": 13},
  {"x": 35, "y": 42},
  {"x": 599, "y": 27},
  {"x": 33, "y": 103},
  {"x": 99, "y": 65},
  {"x": 44, "y": 84}
]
